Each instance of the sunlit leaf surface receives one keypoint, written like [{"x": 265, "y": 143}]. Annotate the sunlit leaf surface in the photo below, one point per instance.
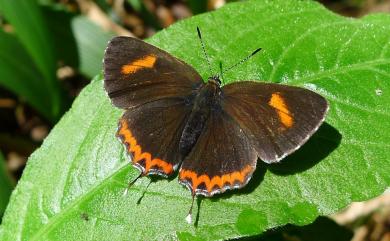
[{"x": 72, "y": 187}]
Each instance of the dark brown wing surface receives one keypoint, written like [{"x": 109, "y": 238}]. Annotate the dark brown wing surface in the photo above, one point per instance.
[
  {"x": 136, "y": 73},
  {"x": 151, "y": 133},
  {"x": 221, "y": 159},
  {"x": 276, "y": 118},
  {"x": 157, "y": 90}
]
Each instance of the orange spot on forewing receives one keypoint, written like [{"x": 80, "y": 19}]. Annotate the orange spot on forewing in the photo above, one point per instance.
[
  {"x": 142, "y": 63},
  {"x": 219, "y": 182},
  {"x": 138, "y": 155},
  {"x": 284, "y": 114}
]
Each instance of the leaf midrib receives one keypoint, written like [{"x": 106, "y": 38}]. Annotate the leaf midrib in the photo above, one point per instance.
[{"x": 55, "y": 219}]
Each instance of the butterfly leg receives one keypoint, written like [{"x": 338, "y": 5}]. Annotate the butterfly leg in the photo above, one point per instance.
[
  {"x": 132, "y": 182},
  {"x": 189, "y": 216}
]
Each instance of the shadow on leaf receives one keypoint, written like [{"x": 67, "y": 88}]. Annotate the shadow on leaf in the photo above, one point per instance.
[
  {"x": 319, "y": 146},
  {"x": 322, "y": 229}
]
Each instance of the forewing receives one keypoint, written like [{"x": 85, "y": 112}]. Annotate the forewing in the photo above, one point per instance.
[
  {"x": 151, "y": 134},
  {"x": 276, "y": 118},
  {"x": 221, "y": 159},
  {"x": 136, "y": 72}
]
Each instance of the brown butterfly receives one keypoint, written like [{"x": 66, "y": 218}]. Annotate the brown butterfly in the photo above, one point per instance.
[{"x": 213, "y": 134}]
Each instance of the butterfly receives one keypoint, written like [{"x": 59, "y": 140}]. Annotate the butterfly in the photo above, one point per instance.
[{"x": 212, "y": 134}]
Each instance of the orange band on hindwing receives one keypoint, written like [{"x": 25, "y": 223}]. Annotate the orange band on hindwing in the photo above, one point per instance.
[
  {"x": 219, "y": 181},
  {"x": 284, "y": 114},
  {"x": 136, "y": 150},
  {"x": 147, "y": 61}
]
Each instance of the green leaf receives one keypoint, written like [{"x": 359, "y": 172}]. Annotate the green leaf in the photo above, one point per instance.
[
  {"x": 30, "y": 28},
  {"x": 147, "y": 15},
  {"x": 72, "y": 186},
  {"x": 136, "y": 4},
  {"x": 91, "y": 41},
  {"x": 198, "y": 6},
  {"x": 19, "y": 75},
  {"x": 59, "y": 23},
  {"x": 6, "y": 186},
  {"x": 28, "y": 22},
  {"x": 78, "y": 42}
]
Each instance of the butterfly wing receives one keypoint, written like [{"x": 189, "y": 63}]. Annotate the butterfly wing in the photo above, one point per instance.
[
  {"x": 157, "y": 91},
  {"x": 277, "y": 119},
  {"x": 221, "y": 159},
  {"x": 136, "y": 72},
  {"x": 151, "y": 134}
]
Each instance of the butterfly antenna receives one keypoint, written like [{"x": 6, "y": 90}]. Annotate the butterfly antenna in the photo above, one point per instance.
[
  {"x": 204, "y": 49},
  {"x": 131, "y": 183},
  {"x": 189, "y": 216},
  {"x": 242, "y": 61}
]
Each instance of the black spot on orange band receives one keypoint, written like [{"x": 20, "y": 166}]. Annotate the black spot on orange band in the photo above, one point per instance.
[
  {"x": 138, "y": 155},
  {"x": 210, "y": 183}
]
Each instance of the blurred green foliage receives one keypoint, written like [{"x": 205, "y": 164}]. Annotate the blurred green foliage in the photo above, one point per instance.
[
  {"x": 44, "y": 37},
  {"x": 6, "y": 186}
]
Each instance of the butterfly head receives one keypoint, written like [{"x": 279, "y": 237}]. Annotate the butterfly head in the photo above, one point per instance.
[{"x": 215, "y": 79}]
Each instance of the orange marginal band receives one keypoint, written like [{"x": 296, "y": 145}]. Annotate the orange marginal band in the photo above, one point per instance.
[
  {"x": 218, "y": 181},
  {"x": 279, "y": 104},
  {"x": 147, "y": 61},
  {"x": 138, "y": 155}
]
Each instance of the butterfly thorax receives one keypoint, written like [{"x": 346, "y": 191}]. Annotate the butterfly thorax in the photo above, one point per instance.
[{"x": 206, "y": 101}]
